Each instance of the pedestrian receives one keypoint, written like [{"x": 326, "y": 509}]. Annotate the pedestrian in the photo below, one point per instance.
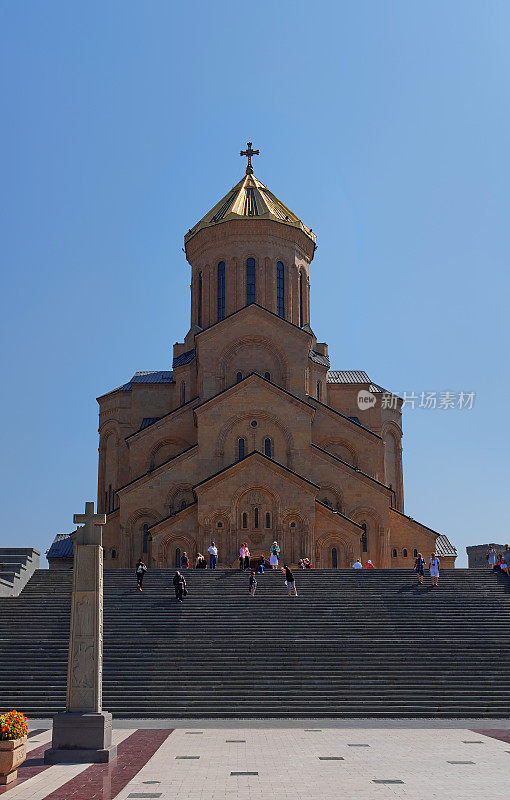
[
  {"x": 419, "y": 567},
  {"x": 246, "y": 557},
  {"x": 140, "y": 571},
  {"x": 289, "y": 581},
  {"x": 369, "y": 565},
  {"x": 184, "y": 561},
  {"x": 253, "y": 584},
  {"x": 261, "y": 564},
  {"x": 301, "y": 564},
  {"x": 200, "y": 562},
  {"x": 434, "y": 566},
  {"x": 179, "y": 583},
  {"x": 505, "y": 564},
  {"x": 241, "y": 557},
  {"x": 491, "y": 557},
  {"x": 273, "y": 556},
  {"x": 213, "y": 555},
  {"x": 357, "y": 565}
]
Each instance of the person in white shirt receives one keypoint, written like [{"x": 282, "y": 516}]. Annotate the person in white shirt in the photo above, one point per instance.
[
  {"x": 213, "y": 555},
  {"x": 357, "y": 565},
  {"x": 434, "y": 566}
]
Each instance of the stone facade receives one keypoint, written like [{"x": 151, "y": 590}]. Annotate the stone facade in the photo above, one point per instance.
[{"x": 251, "y": 437}]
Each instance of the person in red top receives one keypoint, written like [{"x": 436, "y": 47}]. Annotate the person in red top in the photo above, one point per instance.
[{"x": 369, "y": 565}]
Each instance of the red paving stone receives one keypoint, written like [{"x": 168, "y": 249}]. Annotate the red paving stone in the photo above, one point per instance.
[
  {"x": 105, "y": 781},
  {"x": 31, "y": 767},
  {"x": 495, "y": 733}
]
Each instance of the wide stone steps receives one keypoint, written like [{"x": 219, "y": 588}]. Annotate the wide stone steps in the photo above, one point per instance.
[{"x": 351, "y": 644}]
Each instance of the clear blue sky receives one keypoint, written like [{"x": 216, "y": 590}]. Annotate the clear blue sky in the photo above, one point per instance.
[{"x": 384, "y": 125}]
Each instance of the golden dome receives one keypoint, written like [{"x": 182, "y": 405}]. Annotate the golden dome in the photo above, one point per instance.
[{"x": 249, "y": 199}]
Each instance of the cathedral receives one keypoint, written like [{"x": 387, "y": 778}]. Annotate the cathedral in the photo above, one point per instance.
[{"x": 251, "y": 436}]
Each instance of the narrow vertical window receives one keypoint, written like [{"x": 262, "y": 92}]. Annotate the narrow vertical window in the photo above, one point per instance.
[
  {"x": 183, "y": 504},
  {"x": 106, "y": 502},
  {"x": 199, "y": 320},
  {"x": 318, "y": 390},
  {"x": 301, "y": 299},
  {"x": 280, "y": 289},
  {"x": 110, "y": 497},
  {"x": 256, "y": 518},
  {"x": 250, "y": 281},
  {"x": 240, "y": 449},
  {"x": 183, "y": 393},
  {"x": 178, "y": 558},
  {"x": 114, "y": 554},
  {"x": 221, "y": 291},
  {"x": 268, "y": 520},
  {"x": 267, "y": 376},
  {"x": 334, "y": 558},
  {"x": 239, "y": 377},
  {"x": 364, "y": 541},
  {"x": 267, "y": 447},
  {"x": 404, "y": 553},
  {"x": 245, "y": 519},
  {"x": 145, "y": 538}
]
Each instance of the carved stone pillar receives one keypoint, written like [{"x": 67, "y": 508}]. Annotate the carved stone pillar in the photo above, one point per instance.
[{"x": 83, "y": 733}]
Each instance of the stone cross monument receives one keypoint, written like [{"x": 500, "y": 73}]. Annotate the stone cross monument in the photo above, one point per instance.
[{"x": 83, "y": 733}]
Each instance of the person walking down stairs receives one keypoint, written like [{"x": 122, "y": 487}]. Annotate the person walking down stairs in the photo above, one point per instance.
[
  {"x": 273, "y": 556},
  {"x": 253, "y": 584},
  {"x": 419, "y": 567},
  {"x": 140, "y": 571},
  {"x": 179, "y": 583},
  {"x": 289, "y": 581},
  {"x": 213, "y": 555},
  {"x": 434, "y": 566}
]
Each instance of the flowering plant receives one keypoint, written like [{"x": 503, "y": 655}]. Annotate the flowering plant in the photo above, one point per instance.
[{"x": 13, "y": 725}]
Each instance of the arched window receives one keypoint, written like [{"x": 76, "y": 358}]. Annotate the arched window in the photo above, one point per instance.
[
  {"x": 301, "y": 299},
  {"x": 267, "y": 376},
  {"x": 145, "y": 538},
  {"x": 177, "y": 557},
  {"x": 292, "y": 524},
  {"x": 364, "y": 541},
  {"x": 256, "y": 516},
  {"x": 268, "y": 520},
  {"x": 250, "y": 281},
  {"x": 245, "y": 519},
  {"x": 394, "y": 553},
  {"x": 183, "y": 504},
  {"x": 280, "y": 289},
  {"x": 240, "y": 449},
  {"x": 221, "y": 291},
  {"x": 199, "y": 319},
  {"x": 183, "y": 392},
  {"x": 239, "y": 377},
  {"x": 415, "y": 553},
  {"x": 267, "y": 447},
  {"x": 404, "y": 553},
  {"x": 114, "y": 554},
  {"x": 334, "y": 558},
  {"x": 219, "y": 525},
  {"x": 318, "y": 390}
]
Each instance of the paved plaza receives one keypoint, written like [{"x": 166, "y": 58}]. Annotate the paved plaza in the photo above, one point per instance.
[{"x": 298, "y": 759}]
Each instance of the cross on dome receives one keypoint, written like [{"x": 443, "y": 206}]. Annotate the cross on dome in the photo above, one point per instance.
[{"x": 249, "y": 153}]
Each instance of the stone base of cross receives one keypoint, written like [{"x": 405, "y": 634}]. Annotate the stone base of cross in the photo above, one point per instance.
[{"x": 83, "y": 732}]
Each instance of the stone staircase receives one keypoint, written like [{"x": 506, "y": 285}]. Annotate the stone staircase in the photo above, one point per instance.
[
  {"x": 350, "y": 645},
  {"x": 17, "y": 564}
]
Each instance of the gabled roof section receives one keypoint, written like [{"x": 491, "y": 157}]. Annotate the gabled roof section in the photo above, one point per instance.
[
  {"x": 61, "y": 547},
  {"x": 260, "y": 308},
  {"x": 249, "y": 199},
  {"x": 264, "y": 382},
  {"x": 151, "y": 376},
  {"x": 253, "y": 454},
  {"x": 318, "y": 358},
  {"x": 348, "y": 376},
  {"x": 184, "y": 358}
]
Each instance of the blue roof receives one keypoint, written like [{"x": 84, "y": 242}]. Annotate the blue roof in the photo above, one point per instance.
[
  {"x": 62, "y": 546},
  {"x": 149, "y": 376},
  {"x": 184, "y": 358}
]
